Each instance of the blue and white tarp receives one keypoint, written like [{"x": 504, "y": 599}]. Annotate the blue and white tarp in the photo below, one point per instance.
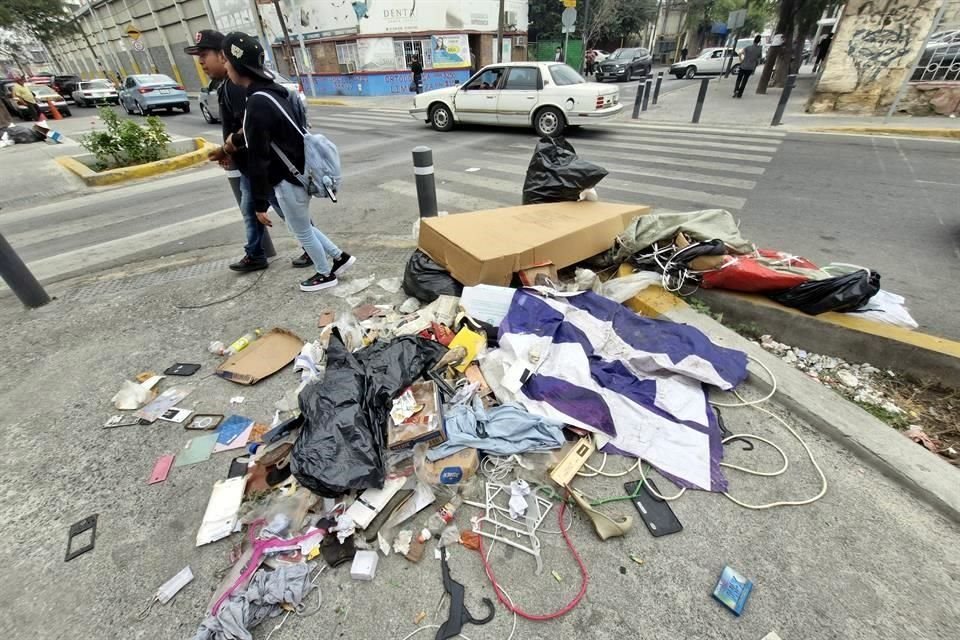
[{"x": 638, "y": 383}]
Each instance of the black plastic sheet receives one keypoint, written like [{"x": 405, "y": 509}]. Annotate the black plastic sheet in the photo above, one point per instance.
[
  {"x": 426, "y": 280},
  {"x": 341, "y": 445},
  {"x": 557, "y": 174},
  {"x": 840, "y": 293}
]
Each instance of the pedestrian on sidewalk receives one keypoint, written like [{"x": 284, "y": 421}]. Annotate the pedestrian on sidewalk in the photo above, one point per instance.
[
  {"x": 417, "y": 68},
  {"x": 683, "y": 53},
  {"x": 823, "y": 48},
  {"x": 749, "y": 60},
  {"x": 558, "y": 55},
  {"x": 22, "y": 93},
  {"x": 272, "y": 125},
  {"x": 232, "y": 100},
  {"x": 591, "y": 61}
]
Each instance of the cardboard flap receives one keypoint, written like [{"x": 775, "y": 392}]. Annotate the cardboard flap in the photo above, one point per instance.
[{"x": 271, "y": 352}]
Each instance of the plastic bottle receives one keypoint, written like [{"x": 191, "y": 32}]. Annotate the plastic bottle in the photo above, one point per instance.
[
  {"x": 444, "y": 515},
  {"x": 242, "y": 342}
]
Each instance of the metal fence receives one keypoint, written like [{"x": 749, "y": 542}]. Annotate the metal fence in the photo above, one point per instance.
[{"x": 940, "y": 60}]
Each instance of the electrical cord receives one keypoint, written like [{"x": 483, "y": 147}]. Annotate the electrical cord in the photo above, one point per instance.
[
  {"x": 222, "y": 300},
  {"x": 751, "y": 403},
  {"x": 605, "y": 474},
  {"x": 585, "y": 578}
]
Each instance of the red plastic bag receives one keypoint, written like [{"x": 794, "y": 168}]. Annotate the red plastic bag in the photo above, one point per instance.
[{"x": 744, "y": 273}]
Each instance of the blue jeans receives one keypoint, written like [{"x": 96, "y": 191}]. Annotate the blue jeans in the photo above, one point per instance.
[
  {"x": 254, "y": 246},
  {"x": 295, "y": 204}
]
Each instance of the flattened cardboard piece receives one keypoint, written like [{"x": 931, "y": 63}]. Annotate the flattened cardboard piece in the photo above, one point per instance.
[
  {"x": 490, "y": 246},
  {"x": 528, "y": 276},
  {"x": 272, "y": 352},
  {"x": 453, "y": 469}
]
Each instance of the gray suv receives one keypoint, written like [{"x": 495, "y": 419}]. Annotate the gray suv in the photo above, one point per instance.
[{"x": 624, "y": 64}]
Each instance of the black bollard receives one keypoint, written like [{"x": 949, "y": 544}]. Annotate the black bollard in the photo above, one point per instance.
[
  {"x": 656, "y": 88},
  {"x": 426, "y": 186},
  {"x": 704, "y": 85},
  {"x": 784, "y": 96},
  {"x": 646, "y": 92},
  {"x": 638, "y": 101},
  {"x": 18, "y": 277}
]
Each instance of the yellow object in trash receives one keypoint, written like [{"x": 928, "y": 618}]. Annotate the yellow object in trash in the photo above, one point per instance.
[{"x": 472, "y": 341}]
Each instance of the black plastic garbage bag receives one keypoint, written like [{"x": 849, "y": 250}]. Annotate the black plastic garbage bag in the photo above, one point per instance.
[
  {"x": 557, "y": 174},
  {"x": 22, "y": 134},
  {"x": 840, "y": 293},
  {"x": 426, "y": 280},
  {"x": 341, "y": 445}
]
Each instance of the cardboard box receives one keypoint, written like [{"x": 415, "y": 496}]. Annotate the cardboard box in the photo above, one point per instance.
[
  {"x": 271, "y": 352},
  {"x": 424, "y": 426},
  {"x": 490, "y": 246}
]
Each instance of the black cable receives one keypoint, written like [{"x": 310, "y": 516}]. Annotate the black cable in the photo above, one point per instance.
[{"x": 227, "y": 299}]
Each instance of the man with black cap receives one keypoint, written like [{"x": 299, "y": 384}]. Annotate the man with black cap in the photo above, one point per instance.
[{"x": 271, "y": 126}]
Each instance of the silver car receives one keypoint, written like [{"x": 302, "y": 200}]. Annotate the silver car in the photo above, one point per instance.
[
  {"x": 91, "y": 92},
  {"x": 210, "y": 105},
  {"x": 143, "y": 93}
]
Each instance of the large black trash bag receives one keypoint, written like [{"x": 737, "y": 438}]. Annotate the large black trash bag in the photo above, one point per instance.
[
  {"x": 426, "y": 280},
  {"x": 557, "y": 174},
  {"x": 840, "y": 293},
  {"x": 341, "y": 445}
]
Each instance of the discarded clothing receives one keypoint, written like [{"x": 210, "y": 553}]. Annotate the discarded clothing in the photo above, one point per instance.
[
  {"x": 708, "y": 224},
  {"x": 341, "y": 445},
  {"x": 638, "y": 382},
  {"x": 260, "y": 600},
  {"x": 502, "y": 430}
]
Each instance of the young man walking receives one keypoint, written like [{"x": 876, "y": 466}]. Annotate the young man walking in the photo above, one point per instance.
[
  {"x": 271, "y": 127},
  {"x": 416, "y": 67},
  {"x": 748, "y": 64}
]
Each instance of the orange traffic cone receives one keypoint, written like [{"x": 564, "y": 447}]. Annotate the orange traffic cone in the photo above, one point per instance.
[{"x": 53, "y": 110}]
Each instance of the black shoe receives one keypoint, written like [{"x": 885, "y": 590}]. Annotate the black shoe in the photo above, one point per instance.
[
  {"x": 303, "y": 261},
  {"x": 342, "y": 264},
  {"x": 319, "y": 282},
  {"x": 249, "y": 264}
]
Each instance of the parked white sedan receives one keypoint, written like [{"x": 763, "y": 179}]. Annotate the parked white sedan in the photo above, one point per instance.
[
  {"x": 549, "y": 96},
  {"x": 710, "y": 61}
]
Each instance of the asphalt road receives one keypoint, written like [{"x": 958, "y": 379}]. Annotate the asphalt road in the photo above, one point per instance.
[{"x": 883, "y": 203}]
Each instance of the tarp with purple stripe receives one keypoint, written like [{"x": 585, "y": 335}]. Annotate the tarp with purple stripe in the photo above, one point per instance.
[{"x": 636, "y": 382}]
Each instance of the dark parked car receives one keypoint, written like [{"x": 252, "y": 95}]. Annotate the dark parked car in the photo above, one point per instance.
[
  {"x": 624, "y": 64},
  {"x": 65, "y": 85}
]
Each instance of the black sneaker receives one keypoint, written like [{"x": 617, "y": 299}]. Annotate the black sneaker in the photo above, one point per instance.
[
  {"x": 319, "y": 282},
  {"x": 343, "y": 264},
  {"x": 303, "y": 261},
  {"x": 247, "y": 263}
]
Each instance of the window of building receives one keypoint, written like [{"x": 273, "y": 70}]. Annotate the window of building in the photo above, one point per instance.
[
  {"x": 405, "y": 49},
  {"x": 347, "y": 58}
]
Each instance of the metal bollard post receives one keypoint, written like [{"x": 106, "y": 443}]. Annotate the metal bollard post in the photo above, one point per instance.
[
  {"x": 18, "y": 277},
  {"x": 426, "y": 186},
  {"x": 704, "y": 85},
  {"x": 656, "y": 88},
  {"x": 269, "y": 250},
  {"x": 638, "y": 101},
  {"x": 784, "y": 96},
  {"x": 646, "y": 92}
]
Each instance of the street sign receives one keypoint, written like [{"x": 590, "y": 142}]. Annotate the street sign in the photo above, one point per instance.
[
  {"x": 138, "y": 45},
  {"x": 572, "y": 4},
  {"x": 570, "y": 29},
  {"x": 133, "y": 32},
  {"x": 568, "y": 17},
  {"x": 736, "y": 19}
]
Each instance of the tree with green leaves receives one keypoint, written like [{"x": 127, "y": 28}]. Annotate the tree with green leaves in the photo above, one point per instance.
[{"x": 41, "y": 19}]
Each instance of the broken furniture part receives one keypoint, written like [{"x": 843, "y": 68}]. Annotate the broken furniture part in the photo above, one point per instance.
[
  {"x": 182, "y": 369},
  {"x": 204, "y": 421},
  {"x": 567, "y": 470},
  {"x": 656, "y": 513},
  {"x": 605, "y": 526},
  {"x": 161, "y": 469},
  {"x": 732, "y": 590},
  {"x": 459, "y": 615},
  {"x": 77, "y": 529},
  {"x": 270, "y": 353},
  {"x": 121, "y": 421},
  {"x": 539, "y": 507},
  {"x": 364, "y": 565}
]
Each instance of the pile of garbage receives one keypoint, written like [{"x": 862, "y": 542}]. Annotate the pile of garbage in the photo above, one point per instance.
[{"x": 926, "y": 416}]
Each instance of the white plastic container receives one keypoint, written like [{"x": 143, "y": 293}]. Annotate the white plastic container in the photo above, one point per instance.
[{"x": 364, "y": 565}]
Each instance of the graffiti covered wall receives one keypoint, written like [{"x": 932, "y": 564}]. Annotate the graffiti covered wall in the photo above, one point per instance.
[{"x": 876, "y": 45}]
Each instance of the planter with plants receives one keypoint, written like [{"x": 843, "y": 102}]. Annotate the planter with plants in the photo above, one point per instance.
[{"x": 126, "y": 150}]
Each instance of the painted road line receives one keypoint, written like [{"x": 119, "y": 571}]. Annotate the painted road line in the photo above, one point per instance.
[
  {"x": 449, "y": 199},
  {"x": 684, "y": 142},
  {"x": 653, "y": 159},
  {"x": 513, "y": 188},
  {"x": 756, "y": 133},
  {"x": 361, "y": 117},
  {"x": 88, "y": 258},
  {"x": 677, "y": 151},
  {"x": 405, "y": 112},
  {"x": 696, "y": 136}
]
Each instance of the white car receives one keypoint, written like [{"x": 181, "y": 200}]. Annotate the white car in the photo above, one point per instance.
[
  {"x": 710, "y": 62},
  {"x": 549, "y": 96},
  {"x": 91, "y": 92}
]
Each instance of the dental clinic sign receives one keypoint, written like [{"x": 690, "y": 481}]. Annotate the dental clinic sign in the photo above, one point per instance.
[{"x": 393, "y": 17}]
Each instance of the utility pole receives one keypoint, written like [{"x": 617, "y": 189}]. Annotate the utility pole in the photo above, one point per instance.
[
  {"x": 287, "y": 47},
  {"x": 500, "y": 33}
]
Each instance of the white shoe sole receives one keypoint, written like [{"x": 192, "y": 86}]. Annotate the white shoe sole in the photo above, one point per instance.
[
  {"x": 318, "y": 287},
  {"x": 346, "y": 266}
]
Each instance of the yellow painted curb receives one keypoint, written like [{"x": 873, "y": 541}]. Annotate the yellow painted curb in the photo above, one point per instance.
[
  {"x": 324, "y": 102},
  {"x": 920, "y": 132},
  {"x": 652, "y": 301},
  {"x": 124, "y": 174}
]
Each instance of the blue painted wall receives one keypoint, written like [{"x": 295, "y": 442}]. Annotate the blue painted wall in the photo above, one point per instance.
[{"x": 381, "y": 84}]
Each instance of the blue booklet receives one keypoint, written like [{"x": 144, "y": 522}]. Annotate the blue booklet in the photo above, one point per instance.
[{"x": 732, "y": 590}]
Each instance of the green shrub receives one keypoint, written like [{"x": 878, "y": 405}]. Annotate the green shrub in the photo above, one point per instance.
[{"x": 125, "y": 143}]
